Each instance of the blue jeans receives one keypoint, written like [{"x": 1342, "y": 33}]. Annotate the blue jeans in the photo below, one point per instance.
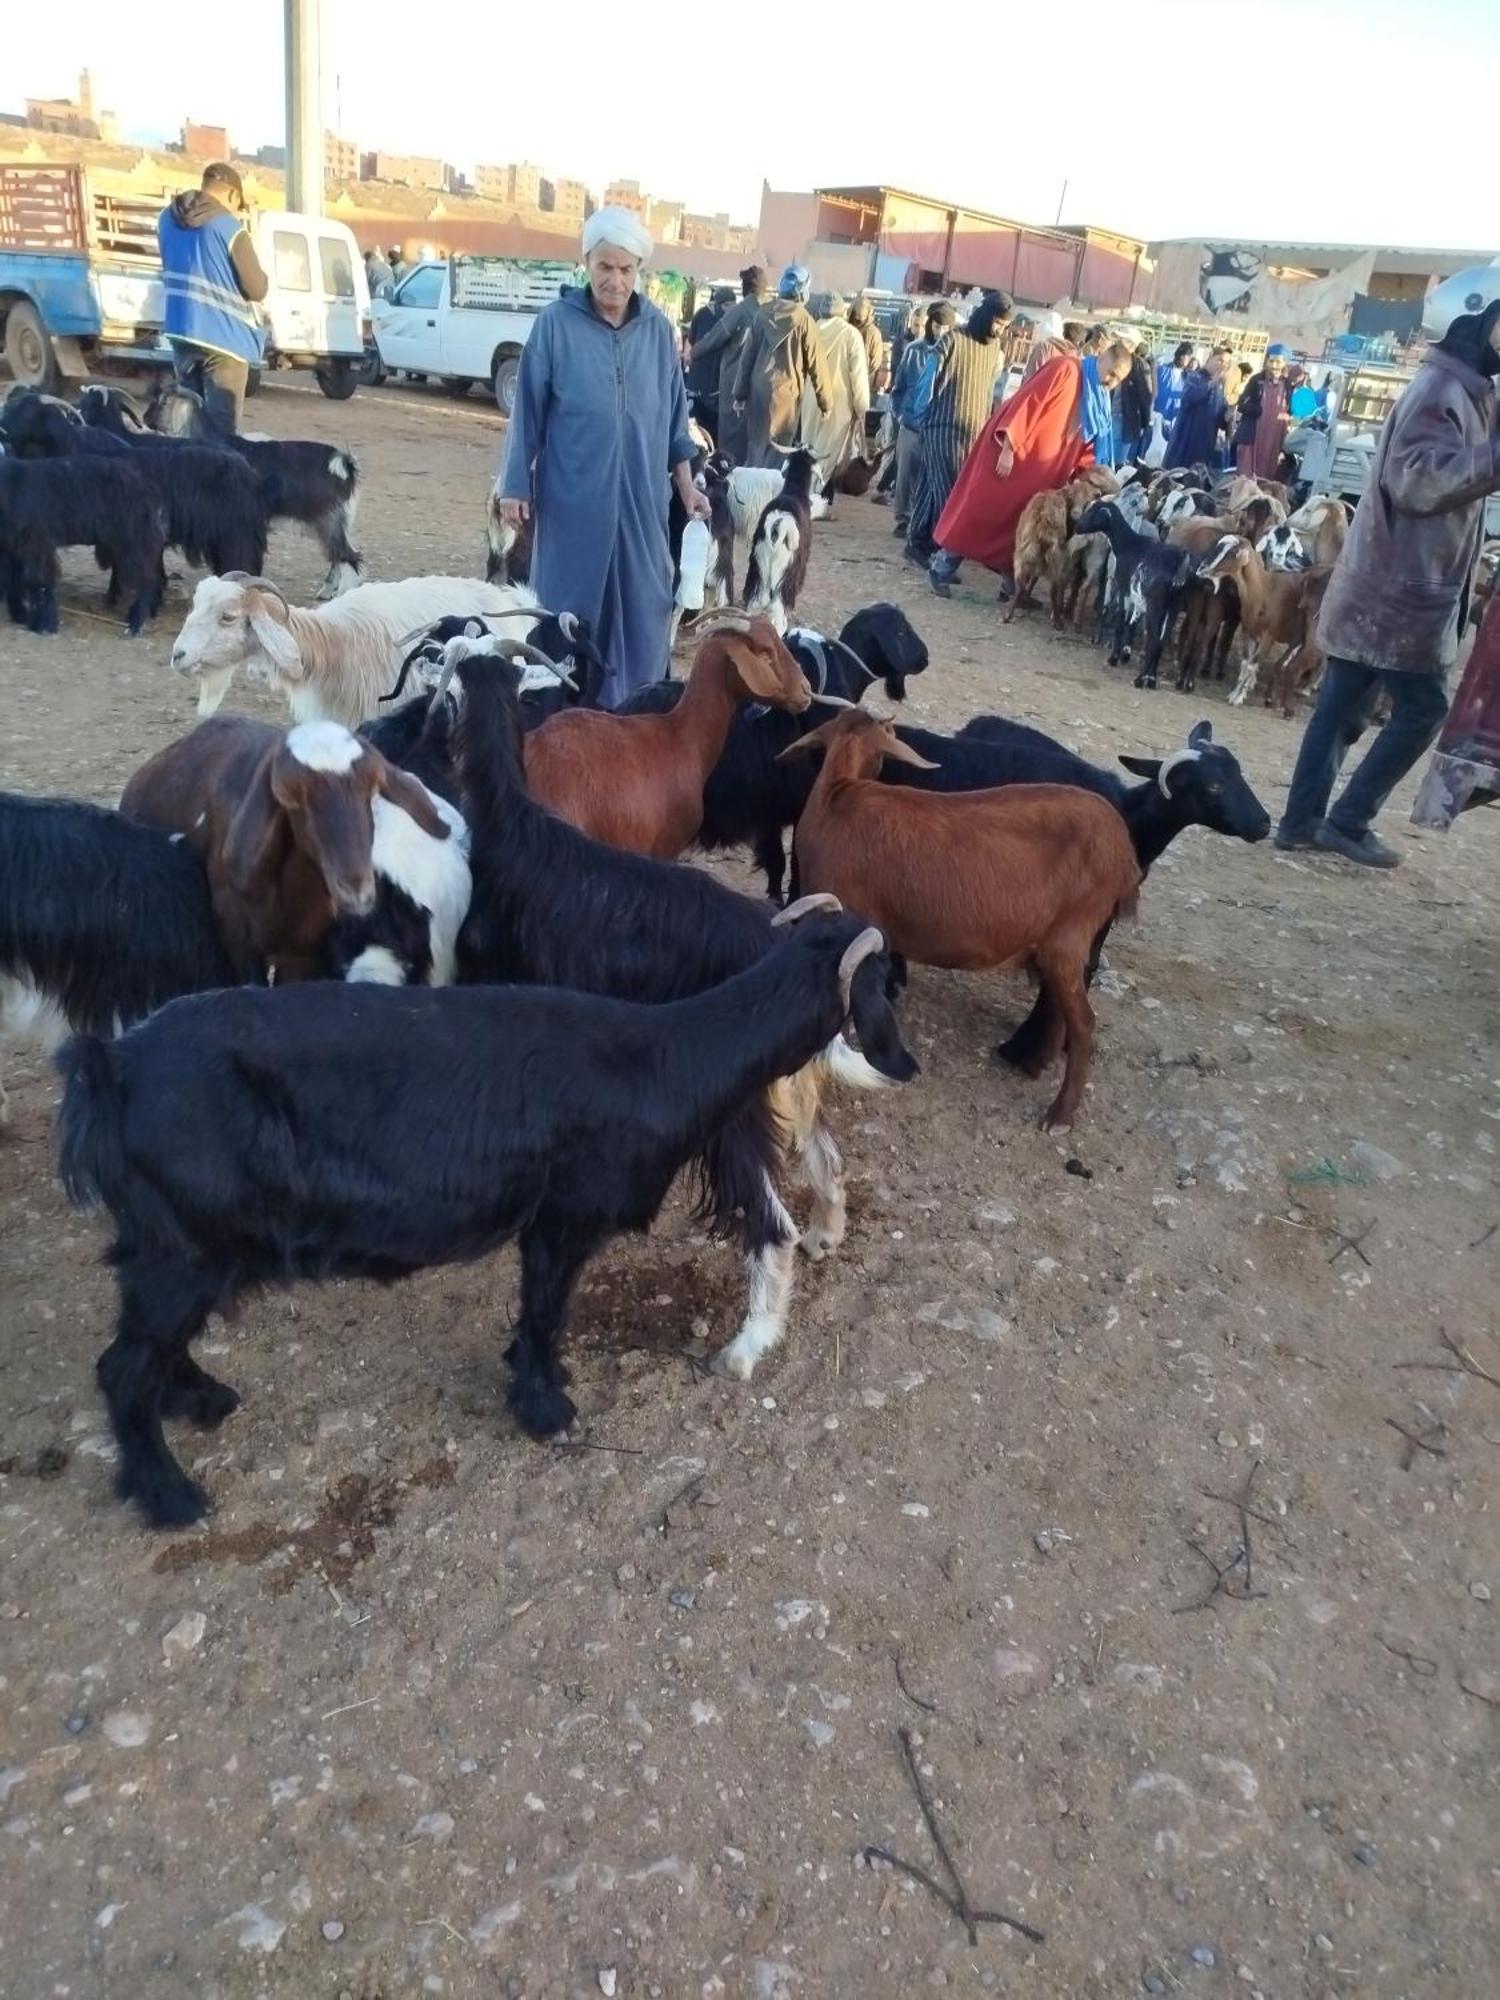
[{"x": 1418, "y": 704}]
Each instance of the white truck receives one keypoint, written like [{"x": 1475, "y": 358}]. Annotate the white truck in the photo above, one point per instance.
[{"x": 465, "y": 320}]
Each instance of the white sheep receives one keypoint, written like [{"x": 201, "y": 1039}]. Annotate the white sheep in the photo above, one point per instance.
[{"x": 332, "y": 661}]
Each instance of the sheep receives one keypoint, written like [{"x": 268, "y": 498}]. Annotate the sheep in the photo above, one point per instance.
[
  {"x": 1148, "y": 583},
  {"x": 241, "y": 1139},
  {"x": 637, "y": 781},
  {"x": 49, "y": 504},
  {"x": 298, "y": 832},
  {"x": 300, "y": 479},
  {"x": 1276, "y": 609},
  {"x": 332, "y": 661},
  {"x": 750, "y": 799},
  {"x": 1021, "y": 876},
  {"x": 553, "y": 907},
  {"x": 213, "y": 507},
  {"x": 782, "y": 544}
]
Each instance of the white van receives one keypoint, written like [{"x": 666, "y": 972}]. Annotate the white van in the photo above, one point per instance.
[{"x": 317, "y": 311}]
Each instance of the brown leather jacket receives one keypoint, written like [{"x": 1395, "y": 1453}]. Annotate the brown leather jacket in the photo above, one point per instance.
[{"x": 1399, "y": 594}]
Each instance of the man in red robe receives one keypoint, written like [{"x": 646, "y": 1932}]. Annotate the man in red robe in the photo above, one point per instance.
[{"x": 1034, "y": 444}]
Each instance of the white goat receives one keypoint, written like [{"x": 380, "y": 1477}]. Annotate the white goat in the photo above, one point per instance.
[
  {"x": 1321, "y": 525},
  {"x": 332, "y": 661},
  {"x": 750, "y": 489}
]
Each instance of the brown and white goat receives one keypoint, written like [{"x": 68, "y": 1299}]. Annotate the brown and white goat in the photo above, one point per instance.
[
  {"x": 1322, "y": 526},
  {"x": 1042, "y": 536},
  {"x": 636, "y": 781},
  {"x": 287, "y": 828},
  {"x": 1027, "y": 875},
  {"x": 1278, "y": 609}
]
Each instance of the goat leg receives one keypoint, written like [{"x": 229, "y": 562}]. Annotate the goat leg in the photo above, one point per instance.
[
  {"x": 770, "y": 857},
  {"x": 189, "y": 1391},
  {"x": 163, "y": 1304},
  {"x": 552, "y": 1255}
]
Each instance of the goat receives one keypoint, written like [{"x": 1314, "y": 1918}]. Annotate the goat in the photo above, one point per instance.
[
  {"x": 1210, "y": 605},
  {"x": 1148, "y": 583},
  {"x": 1022, "y": 876},
  {"x": 1083, "y": 574},
  {"x": 300, "y": 479},
  {"x": 1199, "y": 785},
  {"x": 50, "y": 504},
  {"x": 332, "y": 661},
  {"x": 747, "y": 491},
  {"x": 1276, "y": 609},
  {"x": 297, "y": 832},
  {"x": 1042, "y": 535},
  {"x": 1321, "y": 525},
  {"x": 555, "y": 908},
  {"x": 508, "y": 544},
  {"x": 241, "y": 1139},
  {"x": 213, "y": 509},
  {"x": 636, "y": 780},
  {"x": 751, "y": 798},
  {"x": 782, "y": 544}
]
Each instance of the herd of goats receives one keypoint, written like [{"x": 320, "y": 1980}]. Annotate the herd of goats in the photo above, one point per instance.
[{"x": 422, "y": 973}]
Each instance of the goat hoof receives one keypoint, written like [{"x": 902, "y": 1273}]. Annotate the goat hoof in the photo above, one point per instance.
[
  {"x": 540, "y": 1410},
  {"x": 165, "y": 1495},
  {"x": 206, "y": 1404},
  {"x": 737, "y": 1366},
  {"x": 1057, "y": 1119},
  {"x": 816, "y": 1243}
]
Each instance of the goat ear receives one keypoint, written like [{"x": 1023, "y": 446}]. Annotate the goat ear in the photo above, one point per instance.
[
  {"x": 1143, "y": 767},
  {"x": 256, "y": 833},
  {"x": 275, "y": 641},
  {"x": 760, "y": 675},
  {"x": 404, "y": 790},
  {"x": 1199, "y": 734},
  {"x": 902, "y": 753},
  {"x": 813, "y": 739}
]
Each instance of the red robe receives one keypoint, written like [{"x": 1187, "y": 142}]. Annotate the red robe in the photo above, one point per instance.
[{"x": 1041, "y": 421}]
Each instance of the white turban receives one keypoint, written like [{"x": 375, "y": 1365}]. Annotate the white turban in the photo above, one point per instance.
[{"x": 620, "y": 228}]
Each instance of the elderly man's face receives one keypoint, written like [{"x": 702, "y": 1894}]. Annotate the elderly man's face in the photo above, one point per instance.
[
  {"x": 1275, "y": 365},
  {"x": 612, "y": 274}
]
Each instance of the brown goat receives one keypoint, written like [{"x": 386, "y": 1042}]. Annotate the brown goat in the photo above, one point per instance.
[
  {"x": 1027, "y": 875},
  {"x": 1210, "y": 608},
  {"x": 1042, "y": 535},
  {"x": 285, "y": 826},
  {"x": 636, "y": 781},
  {"x": 1278, "y": 608}
]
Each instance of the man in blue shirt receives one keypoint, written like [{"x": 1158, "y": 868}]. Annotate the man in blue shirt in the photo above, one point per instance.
[
  {"x": 213, "y": 281},
  {"x": 1170, "y": 376},
  {"x": 910, "y": 392}
]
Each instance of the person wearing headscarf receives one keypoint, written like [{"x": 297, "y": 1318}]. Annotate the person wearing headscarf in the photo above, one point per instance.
[
  {"x": 1034, "y": 443},
  {"x": 965, "y": 364},
  {"x": 1399, "y": 595},
  {"x": 862, "y": 319},
  {"x": 1264, "y": 418},
  {"x": 780, "y": 358},
  {"x": 598, "y": 437},
  {"x": 721, "y": 346},
  {"x": 1201, "y": 415},
  {"x": 837, "y": 435}
]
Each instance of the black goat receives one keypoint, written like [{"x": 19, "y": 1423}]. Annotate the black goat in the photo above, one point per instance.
[
  {"x": 248, "y": 1138},
  {"x": 316, "y": 485},
  {"x": 751, "y": 798},
  {"x": 1148, "y": 581},
  {"x": 106, "y": 505},
  {"x": 782, "y": 543},
  {"x": 214, "y": 510}
]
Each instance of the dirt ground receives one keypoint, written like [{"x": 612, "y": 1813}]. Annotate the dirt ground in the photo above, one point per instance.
[{"x": 453, "y": 1713}]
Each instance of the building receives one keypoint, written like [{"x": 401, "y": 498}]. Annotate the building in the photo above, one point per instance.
[
  {"x": 273, "y": 157},
  {"x": 627, "y": 194},
  {"x": 570, "y": 200},
  {"x": 340, "y": 158},
  {"x": 78, "y": 118},
  {"x": 404, "y": 170},
  {"x": 205, "y": 142},
  {"x": 664, "y": 220},
  {"x": 518, "y": 186}
]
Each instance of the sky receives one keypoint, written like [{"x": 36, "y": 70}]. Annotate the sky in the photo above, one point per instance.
[{"x": 1319, "y": 121}]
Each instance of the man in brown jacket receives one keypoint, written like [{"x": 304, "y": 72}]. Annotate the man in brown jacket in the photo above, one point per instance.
[
  {"x": 1399, "y": 596},
  {"x": 781, "y": 354}
]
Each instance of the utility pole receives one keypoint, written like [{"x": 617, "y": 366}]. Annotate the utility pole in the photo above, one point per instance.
[{"x": 304, "y": 107}]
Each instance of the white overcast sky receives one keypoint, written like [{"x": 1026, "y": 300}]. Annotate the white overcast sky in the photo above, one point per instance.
[{"x": 1335, "y": 121}]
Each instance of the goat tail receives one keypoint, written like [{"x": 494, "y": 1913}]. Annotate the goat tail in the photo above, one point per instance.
[
  {"x": 844, "y": 1064},
  {"x": 737, "y": 1170},
  {"x": 90, "y": 1126}
]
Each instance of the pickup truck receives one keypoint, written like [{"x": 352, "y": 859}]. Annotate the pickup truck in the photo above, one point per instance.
[
  {"x": 81, "y": 290},
  {"x": 466, "y": 320}
]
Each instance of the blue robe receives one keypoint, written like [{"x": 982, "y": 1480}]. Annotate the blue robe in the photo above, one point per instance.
[
  {"x": 601, "y": 417},
  {"x": 1195, "y": 435}
]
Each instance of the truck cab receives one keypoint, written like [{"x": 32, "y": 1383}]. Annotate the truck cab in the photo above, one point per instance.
[{"x": 464, "y": 320}]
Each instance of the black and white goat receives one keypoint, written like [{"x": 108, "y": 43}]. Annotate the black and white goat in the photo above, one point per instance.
[
  {"x": 314, "y": 484},
  {"x": 55, "y": 503},
  {"x": 251, "y": 1138},
  {"x": 1148, "y": 580},
  {"x": 782, "y": 544},
  {"x": 751, "y": 798}
]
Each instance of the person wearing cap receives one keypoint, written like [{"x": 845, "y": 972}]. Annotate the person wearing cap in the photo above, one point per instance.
[
  {"x": 1399, "y": 594},
  {"x": 1264, "y": 418},
  {"x": 722, "y": 345},
  {"x": 780, "y": 358},
  {"x": 213, "y": 281},
  {"x": 598, "y": 436}
]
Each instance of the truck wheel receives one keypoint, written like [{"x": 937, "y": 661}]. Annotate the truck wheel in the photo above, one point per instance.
[
  {"x": 29, "y": 353},
  {"x": 372, "y": 369},
  {"x": 338, "y": 379},
  {"x": 507, "y": 374}
]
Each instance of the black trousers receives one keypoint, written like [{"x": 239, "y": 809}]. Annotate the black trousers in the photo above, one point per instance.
[{"x": 220, "y": 379}]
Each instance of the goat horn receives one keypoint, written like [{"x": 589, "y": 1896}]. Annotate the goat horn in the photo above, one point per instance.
[
  {"x": 821, "y": 899},
  {"x": 729, "y": 621},
  {"x": 519, "y": 649},
  {"x": 256, "y": 583},
  {"x": 833, "y": 701},
  {"x": 864, "y": 946}
]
